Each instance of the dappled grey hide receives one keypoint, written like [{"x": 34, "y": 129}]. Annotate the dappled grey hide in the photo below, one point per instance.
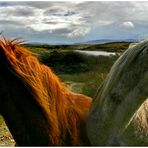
[{"x": 119, "y": 115}]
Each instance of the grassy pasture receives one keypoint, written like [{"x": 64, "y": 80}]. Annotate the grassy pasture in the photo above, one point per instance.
[{"x": 75, "y": 68}]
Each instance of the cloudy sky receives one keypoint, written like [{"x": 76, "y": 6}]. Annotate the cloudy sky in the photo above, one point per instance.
[{"x": 70, "y": 22}]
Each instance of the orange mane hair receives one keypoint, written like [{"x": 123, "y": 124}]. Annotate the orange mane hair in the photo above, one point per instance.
[{"x": 64, "y": 111}]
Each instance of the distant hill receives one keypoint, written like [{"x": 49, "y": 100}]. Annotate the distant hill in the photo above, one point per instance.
[
  {"x": 110, "y": 47},
  {"x": 109, "y": 41},
  {"x": 99, "y": 41},
  {"x": 91, "y": 42}
]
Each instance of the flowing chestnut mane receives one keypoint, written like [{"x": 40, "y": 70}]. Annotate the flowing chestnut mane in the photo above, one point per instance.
[{"x": 65, "y": 111}]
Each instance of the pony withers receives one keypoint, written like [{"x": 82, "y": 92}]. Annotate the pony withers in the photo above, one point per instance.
[{"x": 37, "y": 107}]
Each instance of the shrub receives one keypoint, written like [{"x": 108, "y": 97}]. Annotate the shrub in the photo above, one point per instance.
[{"x": 66, "y": 62}]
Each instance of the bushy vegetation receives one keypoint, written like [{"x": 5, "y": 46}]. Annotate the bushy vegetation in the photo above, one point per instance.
[
  {"x": 98, "y": 66},
  {"x": 77, "y": 68},
  {"x": 66, "y": 62}
]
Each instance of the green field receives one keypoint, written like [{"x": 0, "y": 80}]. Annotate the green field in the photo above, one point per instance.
[
  {"x": 83, "y": 73},
  {"x": 112, "y": 47}
]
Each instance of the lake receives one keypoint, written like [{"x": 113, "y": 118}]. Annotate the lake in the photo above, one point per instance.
[{"x": 96, "y": 53}]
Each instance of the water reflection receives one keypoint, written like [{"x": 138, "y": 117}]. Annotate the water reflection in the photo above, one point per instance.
[{"x": 96, "y": 53}]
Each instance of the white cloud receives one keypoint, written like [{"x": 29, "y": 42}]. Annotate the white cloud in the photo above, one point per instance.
[
  {"x": 82, "y": 31},
  {"x": 74, "y": 24},
  {"x": 128, "y": 24}
]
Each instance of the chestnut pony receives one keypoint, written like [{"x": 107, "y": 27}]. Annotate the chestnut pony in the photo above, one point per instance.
[{"x": 38, "y": 104}]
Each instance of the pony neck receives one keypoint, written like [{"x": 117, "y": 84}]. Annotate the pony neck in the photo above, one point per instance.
[
  {"x": 121, "y": 95},
  {"x": 22, "y": 115}
]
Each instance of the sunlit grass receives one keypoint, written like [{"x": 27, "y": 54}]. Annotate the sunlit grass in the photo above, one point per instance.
[{"x": 91, "y": 81}]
